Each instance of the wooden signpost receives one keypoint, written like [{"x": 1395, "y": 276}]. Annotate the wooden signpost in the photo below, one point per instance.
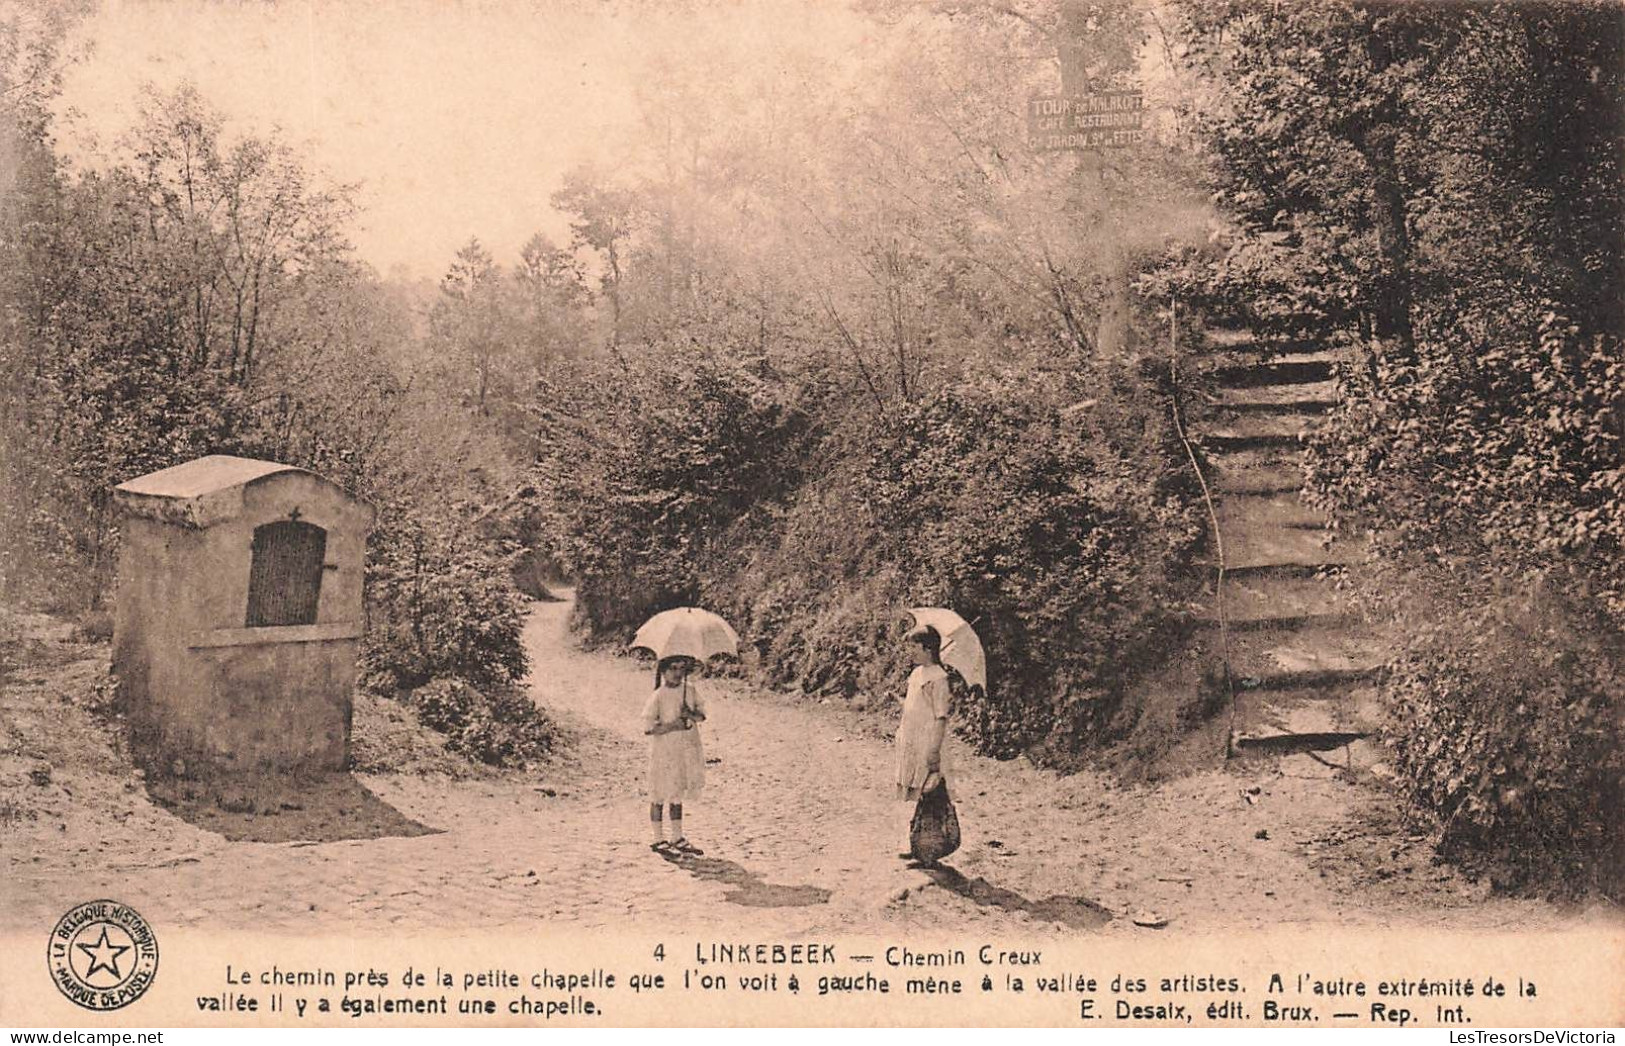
[{"x": 1106, "y": 120}]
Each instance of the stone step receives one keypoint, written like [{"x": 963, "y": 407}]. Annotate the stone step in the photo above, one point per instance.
[
  {"x": 1237, "y": 338},
  {"x": 1230, "y": 439},
  {"x": 1254, "y": 430},
  {"x": 1306, "y": 408},
  {"x": 1245, "y": 459},
  {"x": 1227, "y": 337},
  {"x": 1284, "y": 622},
  {"x": 1258, "y": 510},
  {"x": 1282, "y": 600},
  {"x": 1296, "y": 721},
  {"x": 1281, "y": 572},
  {"x": 1255, "y": 375},
  {"x": 1278, "y": 550},
  {"x": 1256, "y": 602},
  {"x": 1272, "y": 621},
  {"x": 1262, "y": 480},
  {"x": 1297, "y": 398},
  {"x": 1273, "y": 348},
  {"x": 1303, "y": 412},
  {"x": 1255, "y": 470},
  {"x": 1293, "y": 742},
  {"x": 1262, "y": 597},
  {"x": 1261, "y": 356},
  {"x": 1306, "y": 657},
  {"x": 1240, "y": 426},
  {"x": 1314, "y": 678}
]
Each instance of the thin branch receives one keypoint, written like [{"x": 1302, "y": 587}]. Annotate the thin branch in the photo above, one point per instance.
[{"x": 853, "y": 348}]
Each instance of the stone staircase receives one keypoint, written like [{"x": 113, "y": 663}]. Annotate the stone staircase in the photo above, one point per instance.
[{"x": 1300, "y": 663}]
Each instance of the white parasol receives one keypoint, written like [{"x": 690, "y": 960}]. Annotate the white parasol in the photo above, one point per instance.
[
  {"x": 961, "y": 647},
  {"x": 687, "y": 632}
]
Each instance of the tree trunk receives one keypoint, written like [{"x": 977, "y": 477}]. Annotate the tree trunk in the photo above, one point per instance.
[
  {"x": 1112, "y": 327},
  {"x": 1387, "y": 46},
  {"x": 1391, "y": 319}
]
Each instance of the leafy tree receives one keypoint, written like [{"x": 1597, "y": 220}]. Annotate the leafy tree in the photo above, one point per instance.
[
  {"x": 603, "y": 218},
  {"x": 192, "y": 293},
  {"x": 469, "y": 318}
]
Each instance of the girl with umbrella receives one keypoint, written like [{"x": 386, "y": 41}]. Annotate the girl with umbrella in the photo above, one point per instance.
[
  {"x": 681, "y": 639},
  {"x": 671, "y": 718}
]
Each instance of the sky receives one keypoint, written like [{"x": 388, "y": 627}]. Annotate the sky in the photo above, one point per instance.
[{"x": 457, "y": 118}]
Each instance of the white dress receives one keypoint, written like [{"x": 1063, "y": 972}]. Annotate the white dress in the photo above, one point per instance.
[
  {"x": 929, "y": 699},
  {"x": 676, "y": 759}
]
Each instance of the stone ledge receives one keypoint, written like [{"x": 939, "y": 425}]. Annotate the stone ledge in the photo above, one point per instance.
[{"x": 224, "y": 637}]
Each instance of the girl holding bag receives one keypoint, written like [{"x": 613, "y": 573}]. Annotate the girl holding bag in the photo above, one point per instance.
[{"x": 924, "y": 727}]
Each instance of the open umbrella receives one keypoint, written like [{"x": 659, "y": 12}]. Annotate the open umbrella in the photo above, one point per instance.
[
  {"x": 687, "y": 632},
  {"x": 961, "y": 648}
]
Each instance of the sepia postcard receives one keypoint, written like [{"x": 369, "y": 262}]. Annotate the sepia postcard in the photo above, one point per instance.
[{"x": 1032, "y": 513}]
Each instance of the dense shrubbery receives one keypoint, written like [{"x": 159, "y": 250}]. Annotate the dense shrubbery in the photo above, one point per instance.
[
  {"x": 1063, "y": 546},
  {"x": 1506, "y": 725},
  {"x": 1061, "y": 536},
  {"x": 1504, "y": 452},
  {"x": 499, "y": 725},
  {"x": 684, "y": 463},
  {"x": 1493, "y": 472},
  {"x": 445, "y": 635},
  {"x": 443, "y": 606}
]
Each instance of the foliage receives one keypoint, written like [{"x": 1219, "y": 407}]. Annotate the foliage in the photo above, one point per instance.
[
  {"x": 1493, "y": 472},
  {"x": 687, "y": 458},
  {"x": 193, "y": 294},
  {"x": 1504, "y": 456},
  {"x": 1367, "y": 150},
  {"x": 502, "y": 727},
  {"x": 991, "y": 498},
  {"x": 162, "y": 293},
  {"x": 444, "y": 608},
  {"x": 758, "y": 292},
  {"x": 1506, "y": 727},
  {"x": 910, "y": 302},
  {"x": 1063, "y": 546},
  {"x": 496, "y": 331}
]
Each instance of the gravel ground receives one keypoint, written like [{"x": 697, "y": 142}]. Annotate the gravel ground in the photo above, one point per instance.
[{"x": 796, "y": 821}]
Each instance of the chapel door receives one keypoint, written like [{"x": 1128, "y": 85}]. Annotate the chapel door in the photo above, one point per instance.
[{"x": 285, "y": 580}]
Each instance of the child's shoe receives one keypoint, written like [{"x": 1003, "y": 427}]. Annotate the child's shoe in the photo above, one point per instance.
[{"x": 683, "y": 846}]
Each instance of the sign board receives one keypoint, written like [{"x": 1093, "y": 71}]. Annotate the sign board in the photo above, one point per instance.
[{"x": 1091, "y": 121}]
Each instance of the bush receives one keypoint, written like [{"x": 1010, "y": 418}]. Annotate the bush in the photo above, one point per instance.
[
  {"x": 1506, "y": 731},
  {"x": 1059, "y": 537},
  {"x": 1049, "y": 505},
  {"x": 503, "y": 727},
  {"x": 1488, "y": 471},
  {"x": 689, "y": 460},
  {"x": 442, "y": 604},
  {"x": 1505, "y": 450}
]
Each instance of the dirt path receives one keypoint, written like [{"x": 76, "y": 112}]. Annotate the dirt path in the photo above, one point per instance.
[{"x": 796, "y": 821}]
